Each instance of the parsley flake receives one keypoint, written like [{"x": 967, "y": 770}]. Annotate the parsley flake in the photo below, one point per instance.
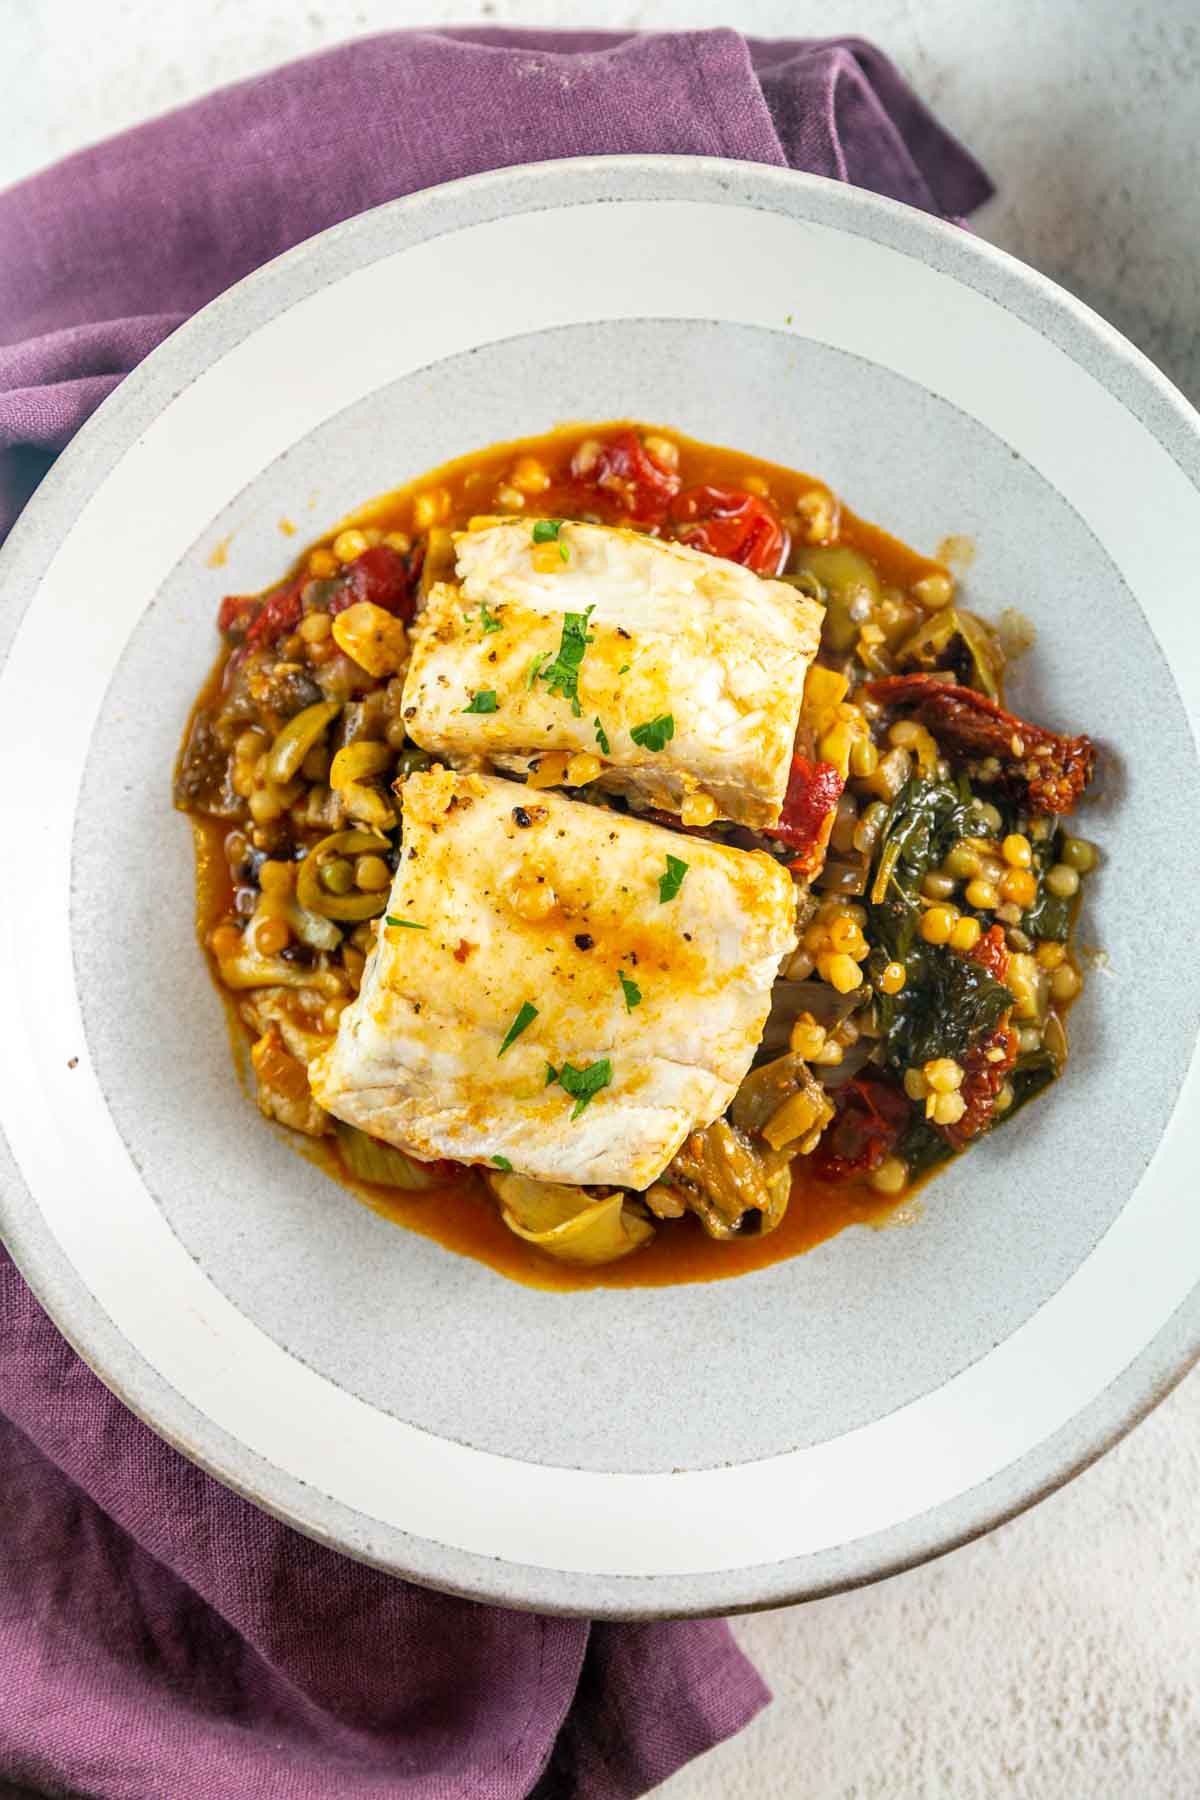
[
  {"x": 408, "y": 924},
  {"x": 670, "y": 883},
  {"x": 551, "y": 1074},
  {"x": 534, "y": 666},
  {"x": 562, "y": 675},
  {"x": 655, "y": 734},
  {"x": 602, "y": 737},
  {"x": 624, "y": 668},
  {"x": 526, "y": 1014},
  {"x": 487, "y": 619},
  {"x": 584, "y": 1084},
  {"x": 484, "y": 701},
  {"x": 630, "y": 989},
  {"x": 549, "y": 531},
  {"x": 502, "y": 1162}
]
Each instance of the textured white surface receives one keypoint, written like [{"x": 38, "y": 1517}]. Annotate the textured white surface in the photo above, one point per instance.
[{"x": 1059, "y": 1658}]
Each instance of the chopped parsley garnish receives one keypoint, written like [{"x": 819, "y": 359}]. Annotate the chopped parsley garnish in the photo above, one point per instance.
[
  {"x": 487, "y": 619},
  {"x": 562, "y": 675},
  {"x": 551, "y": 1074},
  {"x": 624, "y": 668},
  {"x": 655, "y": 734},
  {"x": 484, "y": 701},
  {"x": 526, "y": 1014},
  {"x": 584, "y": 1084},
  {"x": 502, "y": 1162},
  {"x": 630, "y": 989},
  {"x": 602, "y": 737},
  {"x": 670, "y": 883},
  {"x": 534, "y": 666},
  {"x": 548, "y": 531},
  {"x": 408, "y": 924}
]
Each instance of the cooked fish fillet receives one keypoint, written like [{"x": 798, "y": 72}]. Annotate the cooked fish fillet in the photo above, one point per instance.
[
  {"x": 672, "y": 634},
  {"x": 532, "y": 900}
]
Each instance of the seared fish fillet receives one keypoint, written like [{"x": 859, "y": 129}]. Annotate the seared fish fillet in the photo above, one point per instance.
[
  {"x": 673, "y": 634},
  {"x": 524, "y": 911}
]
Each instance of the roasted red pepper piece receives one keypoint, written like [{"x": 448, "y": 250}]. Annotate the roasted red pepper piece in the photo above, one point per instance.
[
  {"x": 806, "y": 817},
  {"x": 984, "y": 1073},
  {"x": 1048, "y": 770},
  {"x": 382, "y": 576},
  {"x": 727, "y": 522},
  {"x": 870, "y": 1117},
  {"x": 279, "y": 613},
  {"x": 251, "y": 620},
  {"x": 235, "y": 614},
  {"x": 626, "y": 476}
]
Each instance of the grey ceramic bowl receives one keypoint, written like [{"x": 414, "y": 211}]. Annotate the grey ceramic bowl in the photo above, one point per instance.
[{"x": 625, "y": 1452}]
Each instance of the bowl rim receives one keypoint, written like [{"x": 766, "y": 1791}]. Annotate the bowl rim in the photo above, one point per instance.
[{"x": 1069, "y": 323}]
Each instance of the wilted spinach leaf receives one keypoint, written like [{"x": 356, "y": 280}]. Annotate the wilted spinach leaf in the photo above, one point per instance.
[
  {"x": 1031, "y": 1073},
  {"x": 947, "y": 1002},
  {"x": 922, "y": 1147},
  {"x": 953, "y": 1004},
  {"x": 1050, "y": 914},
  {"x": 924, "y": 820}
]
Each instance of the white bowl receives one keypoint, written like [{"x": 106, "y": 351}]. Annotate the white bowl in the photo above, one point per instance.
[{"x": 632, "y": 1451}]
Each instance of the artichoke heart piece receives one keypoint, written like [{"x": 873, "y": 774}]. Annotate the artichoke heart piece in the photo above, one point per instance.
[
  {"x": 569, "y": 1223},
  {"x": 295, "y": 739},
  {"x": 846, "y": 583},
  {"x": 384, "y": 1164},
  {"x": 783, "y": 1102},
  {"x": 729, "y": 1183},
  {"x": 735, "y": 1175},
  {"x": 961, "y": 641}
]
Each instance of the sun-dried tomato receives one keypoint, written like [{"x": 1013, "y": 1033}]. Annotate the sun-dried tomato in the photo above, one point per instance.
[
  {"x": 727, "y": 522},
  {"x": 624, "y": 478},
  {"x": 806, "y": 817},
  {"x": 382, "y": 576},
  {"x": 985, "y": 1072},
  {"x": 1047, "y": 770},
  {"x": 870, "y": 1117},
  {"x": 992, "y": 953}
]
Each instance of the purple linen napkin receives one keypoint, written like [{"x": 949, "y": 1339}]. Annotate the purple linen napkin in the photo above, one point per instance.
[{"x": 160, "y": 1636}]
